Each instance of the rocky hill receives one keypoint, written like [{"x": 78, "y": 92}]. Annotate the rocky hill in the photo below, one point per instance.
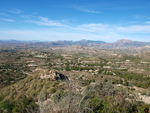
[{"x": 124, "y": 44}]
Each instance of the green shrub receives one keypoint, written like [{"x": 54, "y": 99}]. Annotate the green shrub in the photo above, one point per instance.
[
  {"x": 58, "y": 96},
  {"x": 115, "y": 82},
  {"x": 25, "y": 105},
  {"x": 51, "y": 90},
  {"x": 6, "y": 106},
  {"x": 144, "y": 93},
  {"x": 120, "y": 81},
  {"x": 1, "y": 97},
  {"x": 105, "y": 80},
  {"x": 132, "y": 89},
  {"x": 126, "y": 83},
  {"x": 28, "y": 79}
]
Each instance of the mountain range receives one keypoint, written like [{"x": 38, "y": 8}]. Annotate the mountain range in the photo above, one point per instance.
[{"x": 119, "y": 44}]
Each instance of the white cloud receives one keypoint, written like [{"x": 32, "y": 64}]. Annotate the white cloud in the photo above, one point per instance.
[
  {"x": 97, "y": 28},
  {"x": 133, "y": 22},
  {"x": 65, "y": 20},
  {"x": 134, "y": 29},
  {"x": 86, "y": 10},
  {"x": 17, "y": 11},
  {"x": 99, "y": 31},
  {"x": 27, "y": 16},
  {"x": 89, "y": 11},
  {"x": 62, "y": 29},
  {"x": 45, "y": 34},
  {"x": 4, "y": 14},
  {"x": 9, "y": 20},
  {"x": 46, "y": 22},
  {"x": 142, "y": 16},
  {"x": 147, "y": 22}
]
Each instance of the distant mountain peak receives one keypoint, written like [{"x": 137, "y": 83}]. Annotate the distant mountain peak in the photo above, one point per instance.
[
  {"x": 123, "y": 41},
  {"x": 83, "y": 40}
]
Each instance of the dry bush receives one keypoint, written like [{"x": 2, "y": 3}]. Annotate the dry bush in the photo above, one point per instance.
[
  {"x": 93, "y": 98},
  {"x": 73, "y": 100}
]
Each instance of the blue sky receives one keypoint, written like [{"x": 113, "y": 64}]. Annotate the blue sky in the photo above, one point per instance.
[{"x": 51, "y": 20}]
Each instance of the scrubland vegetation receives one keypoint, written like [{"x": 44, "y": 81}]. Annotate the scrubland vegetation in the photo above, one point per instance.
[{"x": 73, "y": 80}]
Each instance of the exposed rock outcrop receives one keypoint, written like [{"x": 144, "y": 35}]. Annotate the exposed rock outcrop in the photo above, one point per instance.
[{"x": 53, "y": 75}]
